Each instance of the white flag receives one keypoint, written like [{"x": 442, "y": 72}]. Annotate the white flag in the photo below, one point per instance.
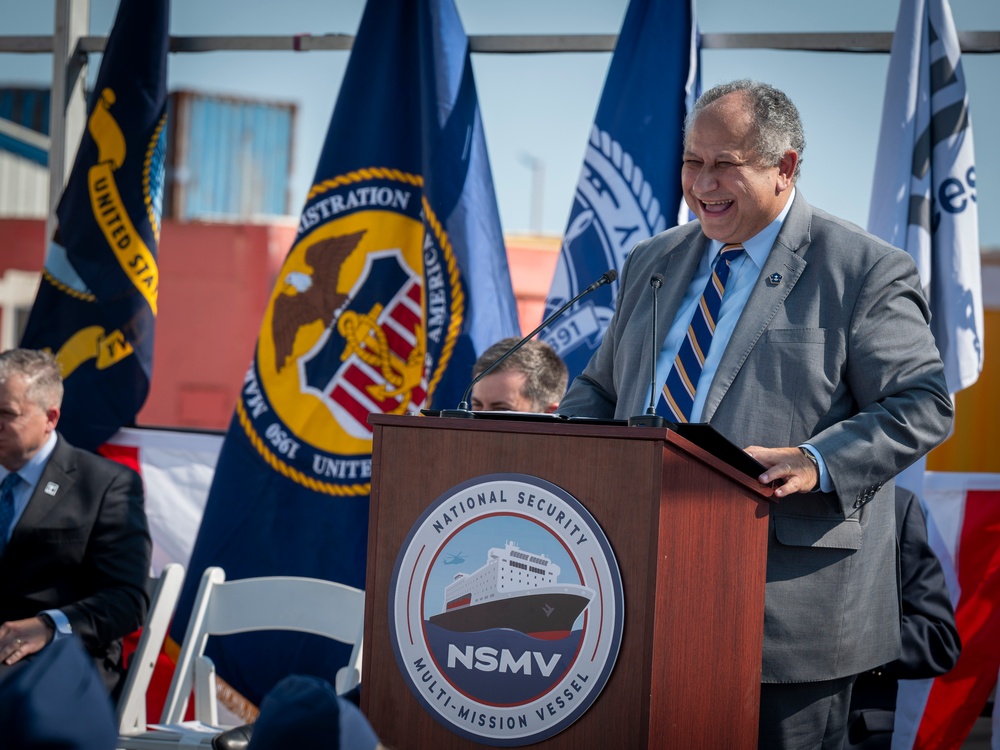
[
  {"x": 177, "y": 469},
  {"x": 924, "y": 192}
]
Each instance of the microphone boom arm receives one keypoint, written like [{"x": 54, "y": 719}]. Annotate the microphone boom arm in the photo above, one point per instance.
[{"x": 463, "y": 407}]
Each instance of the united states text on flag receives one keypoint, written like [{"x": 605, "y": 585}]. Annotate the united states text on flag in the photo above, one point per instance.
[{"x": 96, "y": 306}]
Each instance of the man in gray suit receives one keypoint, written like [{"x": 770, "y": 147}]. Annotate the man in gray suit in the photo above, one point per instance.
[{"x": 820, "y": 362}]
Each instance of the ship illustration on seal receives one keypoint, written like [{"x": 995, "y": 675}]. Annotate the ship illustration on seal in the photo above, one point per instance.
[{"x": 514, "y": 589}]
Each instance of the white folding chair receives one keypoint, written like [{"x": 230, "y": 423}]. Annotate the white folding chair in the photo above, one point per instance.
[
  {"x": 306, "y": 605},
  {"x": 164, "y": 592}
]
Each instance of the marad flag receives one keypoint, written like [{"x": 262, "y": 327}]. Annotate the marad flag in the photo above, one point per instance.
[
  {"x": 96, "y": 306},
  {"x": 924, "y": 191},
  {"x": 629, "y": 187},
  {"x": 396, "y": 280}
]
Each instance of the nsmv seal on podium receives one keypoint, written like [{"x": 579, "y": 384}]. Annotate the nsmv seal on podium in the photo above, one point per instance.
[{"x": 506, "y": 609}]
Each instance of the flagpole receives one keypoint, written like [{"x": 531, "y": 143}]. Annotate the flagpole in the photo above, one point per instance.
[{"x": 66, "y": 120}]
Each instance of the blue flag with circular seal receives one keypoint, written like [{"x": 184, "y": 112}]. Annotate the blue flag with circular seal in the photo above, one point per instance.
[
  {"x": 97, "y": 303},
  {"x": 630, "y": 186},
  {"x": 396, "y": 280}
]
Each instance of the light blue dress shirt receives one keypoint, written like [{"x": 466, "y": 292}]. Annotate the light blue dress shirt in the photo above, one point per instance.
[
  {"x": 743, "y": 274},
  {"x": 30, "y": 475}
]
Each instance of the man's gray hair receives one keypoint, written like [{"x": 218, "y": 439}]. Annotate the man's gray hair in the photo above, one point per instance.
[
  {"x": 546, "y": 373},
  {"x": 779, "y": 126},
  {"x": 40, "y": 371}
]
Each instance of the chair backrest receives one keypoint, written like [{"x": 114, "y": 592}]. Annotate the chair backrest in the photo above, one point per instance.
[
  {"x": 164, "y": 591},
  {"x": 306, "y": 605}
]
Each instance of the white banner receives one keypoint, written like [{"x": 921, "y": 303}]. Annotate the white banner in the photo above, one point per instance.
[{"x": 176, "y": 469}]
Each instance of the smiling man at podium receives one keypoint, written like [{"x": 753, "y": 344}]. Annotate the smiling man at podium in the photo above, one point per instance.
[{"x": 804, "y": 339}]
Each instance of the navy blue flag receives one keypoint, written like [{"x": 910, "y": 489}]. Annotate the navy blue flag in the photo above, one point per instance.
[
  {"x": 96, "y": 306},
  {"x": 630, "y": 185},
  {"x": 397, "y": 278}
]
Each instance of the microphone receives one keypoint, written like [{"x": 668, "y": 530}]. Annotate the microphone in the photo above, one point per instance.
[
  {"x": 463, "y": 408},
  {"x": 651, "y": 418}
]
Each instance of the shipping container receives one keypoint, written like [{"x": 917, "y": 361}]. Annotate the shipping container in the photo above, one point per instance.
[{"x": 228, "y": 158}]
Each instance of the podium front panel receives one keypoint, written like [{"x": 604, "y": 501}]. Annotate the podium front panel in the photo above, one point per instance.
[{"x": 690, "y": 543}]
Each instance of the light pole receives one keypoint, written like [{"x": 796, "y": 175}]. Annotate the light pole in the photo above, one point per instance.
[{"x": 537, "y": 167}]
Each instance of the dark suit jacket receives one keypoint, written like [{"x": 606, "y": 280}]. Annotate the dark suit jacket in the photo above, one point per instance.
[
  {"x": 931, "y": 645},
  {"x": 85, "y": 550},
  {"x": 837, "y": 353}
]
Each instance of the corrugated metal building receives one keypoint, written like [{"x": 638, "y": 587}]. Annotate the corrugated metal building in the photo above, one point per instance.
[
  {"x": 228, "y": 158},
  {"x": 24, "y": 152}
]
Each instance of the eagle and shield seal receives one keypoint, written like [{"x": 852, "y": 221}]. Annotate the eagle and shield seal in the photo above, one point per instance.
[{"x": 363, "y": 318}]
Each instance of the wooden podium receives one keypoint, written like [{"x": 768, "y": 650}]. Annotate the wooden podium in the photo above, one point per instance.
[{"x": 689, "y": 533}]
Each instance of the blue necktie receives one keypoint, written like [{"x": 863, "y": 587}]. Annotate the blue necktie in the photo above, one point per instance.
[
  {"x": 7, "y": 507},
  {"x": 677, "y": 398}
]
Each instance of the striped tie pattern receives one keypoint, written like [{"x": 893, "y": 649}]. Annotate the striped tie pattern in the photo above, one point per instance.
[
  {"x": 678, "y": 392},
  {"x": 6, "y": 507}
]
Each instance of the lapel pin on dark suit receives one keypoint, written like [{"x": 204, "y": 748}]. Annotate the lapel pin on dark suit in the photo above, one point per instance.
[
  {"x": 51, "y": 489},
  {"x": 774, "y": 279}
]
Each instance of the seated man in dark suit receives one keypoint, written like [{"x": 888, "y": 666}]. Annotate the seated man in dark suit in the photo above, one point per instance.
[
  {"x": 930, "y": 639},
  {"x": 74, "y": 542}
]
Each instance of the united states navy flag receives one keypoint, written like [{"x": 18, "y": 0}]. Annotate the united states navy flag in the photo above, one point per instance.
[
  {"x": 397, "y": 278},
  {"x": 96, "y": 306},
  {"x": 629, "y": 187}
]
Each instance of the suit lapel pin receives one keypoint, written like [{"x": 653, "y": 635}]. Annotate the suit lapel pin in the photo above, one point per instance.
[
  {"x": 51, "y": 489},
  {"x": 774, "y": 279}
]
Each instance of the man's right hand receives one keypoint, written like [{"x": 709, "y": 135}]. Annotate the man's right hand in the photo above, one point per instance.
[
  {"x": 798, "y": 473},
  {"x": 21, "y": 638}
]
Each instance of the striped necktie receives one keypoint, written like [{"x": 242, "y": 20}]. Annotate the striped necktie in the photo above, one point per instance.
[
  {"x": 678, "y": 392},
  {"x": 6, "y": 507}
]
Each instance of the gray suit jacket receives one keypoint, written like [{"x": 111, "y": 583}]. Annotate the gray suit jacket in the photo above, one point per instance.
[{"x": 839, "y": 354}]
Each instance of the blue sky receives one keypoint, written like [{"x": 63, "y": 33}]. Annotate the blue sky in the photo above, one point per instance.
[{"x": 542, "y": 106}]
